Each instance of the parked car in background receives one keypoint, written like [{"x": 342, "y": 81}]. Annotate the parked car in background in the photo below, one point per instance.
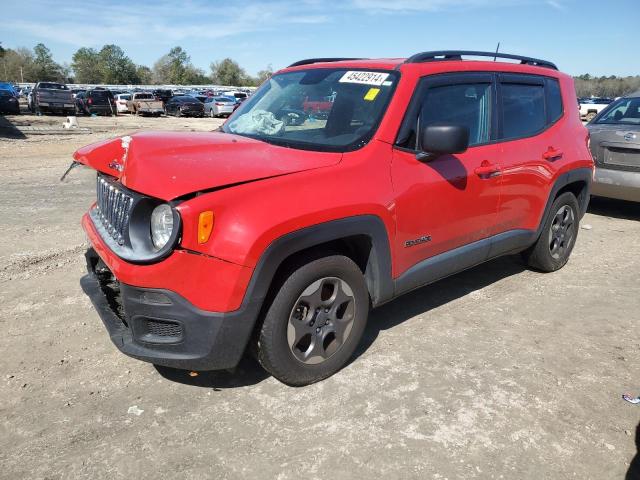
[
  {"x": 318, "y": 107},
  {"x": 51, "y": 97},
  {"x": 590, "y": 107},
  {"x": 121, "y": 102},
  {"x": 281, "y": 237},
  {"x": 239, "y": 96},
  {"x": 219, "y": 106},
  {"x": 25, "y": 91},
  {"x": 9, "y": 103},
  {"x": 145, "y": 103},
  {"x": 163, "y": 95},
  {"x": 96, "y": 101},
  {"x": 185, "y": 106},
  {"x": 9, "y": 87},
  {"x": 615, "y": 146},
  {"x": 76, "y": 91},
  {"x": 200, "y": 97}
]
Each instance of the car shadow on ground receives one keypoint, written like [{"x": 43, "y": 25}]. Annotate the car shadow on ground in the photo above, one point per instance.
[
  {"x": 634, "y": 467},
  {"x": 420, "y": 301},
  {"x": 248, "y": 372},
  {"x": 609, "y": 207},
  {"x": 9, "y": 130},
  {"x": 432, "y": 296}
]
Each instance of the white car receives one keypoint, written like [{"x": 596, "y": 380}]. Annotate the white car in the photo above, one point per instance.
[
  {"x": 121, "y": 102},
  {"x": 217, "y": 106},
  {"x": 590, "y": 107}
]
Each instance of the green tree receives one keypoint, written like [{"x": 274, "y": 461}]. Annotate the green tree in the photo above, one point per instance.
[
  {"x": 18, "y": 65},
  {"x": 86, "y": 66},
  {"x": 195, "y": 76},
  {"x": 228, "y": 72},
  {"x": 115, "y": 67},
  {"x": 264, "y": 75},
  {"x": 45, "y": 67},
  {"x": 144, "y": 74},
  {"x": 176, "y": 68}
]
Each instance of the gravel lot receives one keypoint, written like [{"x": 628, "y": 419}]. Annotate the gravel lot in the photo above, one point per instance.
[{"x": 498, "y": 372}]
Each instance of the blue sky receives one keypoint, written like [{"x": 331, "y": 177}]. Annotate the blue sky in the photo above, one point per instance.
[{"x": 581, "y": 36}]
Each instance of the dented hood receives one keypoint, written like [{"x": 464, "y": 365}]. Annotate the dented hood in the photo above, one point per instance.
[{"x": 167, "y": 165}]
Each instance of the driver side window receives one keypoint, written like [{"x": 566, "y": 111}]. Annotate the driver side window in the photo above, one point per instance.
[{"x": 464, "y": 104}]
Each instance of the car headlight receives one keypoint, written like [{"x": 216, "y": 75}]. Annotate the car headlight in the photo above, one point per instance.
[{"x": 161, "y": 225}]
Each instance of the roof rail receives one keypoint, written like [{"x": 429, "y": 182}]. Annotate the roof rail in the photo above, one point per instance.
[
  {"x": 309, "y": 61},
  {"x": 457, "y": 55}
]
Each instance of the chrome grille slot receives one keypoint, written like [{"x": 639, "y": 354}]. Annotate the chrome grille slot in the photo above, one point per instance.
[{"x": 113, "y": 208}]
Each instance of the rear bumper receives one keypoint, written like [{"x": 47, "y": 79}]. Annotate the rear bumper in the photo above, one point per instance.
[
  {"x": 161, "y": 327},
  {"x": 619, "y": 184}
]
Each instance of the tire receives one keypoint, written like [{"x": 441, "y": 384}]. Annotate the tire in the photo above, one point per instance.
[
  {"x": 300, "y": 343},
  {"x": 554, "y": 246},
  {"x": 211, "y": 113}
]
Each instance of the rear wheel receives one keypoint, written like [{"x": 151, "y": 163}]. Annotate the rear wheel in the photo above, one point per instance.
[
  {"x": 559, "y": 233},
  {"x": 315, "y": 321}
]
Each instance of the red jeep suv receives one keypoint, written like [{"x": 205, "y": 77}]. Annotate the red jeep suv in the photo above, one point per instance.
[{"x": 283, "y": 229}]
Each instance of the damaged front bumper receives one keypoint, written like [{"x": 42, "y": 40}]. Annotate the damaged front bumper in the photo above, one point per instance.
[{"x": 161, "y": 327}]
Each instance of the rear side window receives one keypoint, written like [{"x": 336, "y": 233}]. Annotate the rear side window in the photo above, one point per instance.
[
  {"x": 523, "y": 110},
  {"x": 554, "y": 99},
  {"x": 465, "y": 104}
]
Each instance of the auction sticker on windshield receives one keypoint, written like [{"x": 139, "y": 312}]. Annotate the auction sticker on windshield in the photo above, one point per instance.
[{"x": 364, "y": 78}]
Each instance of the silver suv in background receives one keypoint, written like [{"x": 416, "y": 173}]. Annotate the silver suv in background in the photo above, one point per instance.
[{"x": 615, "y": 146}]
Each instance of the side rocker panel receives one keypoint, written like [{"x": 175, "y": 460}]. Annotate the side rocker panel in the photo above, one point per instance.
[{"x": 462, "y": 258}]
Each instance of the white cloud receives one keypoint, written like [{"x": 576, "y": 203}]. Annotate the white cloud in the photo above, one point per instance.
[
  {"x": 162, "y": 22},
  {"x": 388, "y": 6},
  {"x": 555, "y": 4}
]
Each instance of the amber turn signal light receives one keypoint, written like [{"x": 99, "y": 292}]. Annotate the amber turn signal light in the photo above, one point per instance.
[{"x": 205, "y": 225}]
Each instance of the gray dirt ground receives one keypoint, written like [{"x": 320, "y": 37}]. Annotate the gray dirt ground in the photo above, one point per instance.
[{"x": 498, "y": 372}]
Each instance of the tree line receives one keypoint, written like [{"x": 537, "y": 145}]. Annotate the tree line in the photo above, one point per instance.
[
  {"x": 612, "y": 86},
  {"x": 110, "y": 65}
]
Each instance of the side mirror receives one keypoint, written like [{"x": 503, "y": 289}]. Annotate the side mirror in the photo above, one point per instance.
[{"x": 442, "y": 139}]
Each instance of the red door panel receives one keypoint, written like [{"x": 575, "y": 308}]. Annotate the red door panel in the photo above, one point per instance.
[{"x": 444, "y": 199}]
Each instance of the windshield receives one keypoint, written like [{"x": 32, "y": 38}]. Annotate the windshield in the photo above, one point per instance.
[
  {"x": 625, "y": 111},
  {"x": 286, "y": 111}
]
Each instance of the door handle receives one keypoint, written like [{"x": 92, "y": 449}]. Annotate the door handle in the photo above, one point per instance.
[
  {"x": 487, "y": 170},
  {"x": 552, "y": 154}
]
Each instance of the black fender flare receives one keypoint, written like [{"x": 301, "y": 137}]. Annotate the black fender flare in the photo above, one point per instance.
[
  {"x": 573, "y": 176},
  {"x": 378, "y": 270}
]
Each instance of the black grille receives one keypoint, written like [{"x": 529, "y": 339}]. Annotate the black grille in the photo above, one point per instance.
[
  {"x": 164, "y": 329},
  {"x": 114, "y": 208}
]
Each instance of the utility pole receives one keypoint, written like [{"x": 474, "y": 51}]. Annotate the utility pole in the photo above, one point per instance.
[{"x": 21, "y": 76}]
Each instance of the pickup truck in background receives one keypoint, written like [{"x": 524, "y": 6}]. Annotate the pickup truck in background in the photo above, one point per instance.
[
  {"x": 50, "y": 97},
  {"x": 145, "y": 104},
  {"x": 590, "y": 107}
]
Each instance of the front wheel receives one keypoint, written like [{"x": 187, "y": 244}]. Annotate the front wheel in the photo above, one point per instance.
[
  {"x": 552, "y": 250},
  {"x": 315, "y": 321}
]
